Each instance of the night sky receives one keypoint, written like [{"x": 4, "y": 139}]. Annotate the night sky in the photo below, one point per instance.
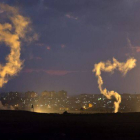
[{"x": 73, "y": 36}]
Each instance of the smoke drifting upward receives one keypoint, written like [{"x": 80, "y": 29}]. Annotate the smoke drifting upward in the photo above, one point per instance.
[
  {"x": 2, "y": 107},
  {"x": 11, "y": 33},
  {"x": 110, "y": 67}
]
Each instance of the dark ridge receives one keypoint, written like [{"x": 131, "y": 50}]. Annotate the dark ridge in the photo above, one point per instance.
[{"x": 30, "y": 125}]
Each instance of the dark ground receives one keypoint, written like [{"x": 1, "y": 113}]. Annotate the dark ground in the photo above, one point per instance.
[{"x": 27, "y": 125}]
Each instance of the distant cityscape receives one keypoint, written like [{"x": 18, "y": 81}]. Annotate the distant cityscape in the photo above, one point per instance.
[{"x": 56, "y": 102}]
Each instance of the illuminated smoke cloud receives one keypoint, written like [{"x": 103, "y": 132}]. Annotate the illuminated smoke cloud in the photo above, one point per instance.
[
  {"x": 11, "y": 33},
  {"x": 7, "y": 107},
  {"x": 110, "y": 67}
]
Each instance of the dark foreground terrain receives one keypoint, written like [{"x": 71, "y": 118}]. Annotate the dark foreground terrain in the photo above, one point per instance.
[{"x": 27, "y": 125}]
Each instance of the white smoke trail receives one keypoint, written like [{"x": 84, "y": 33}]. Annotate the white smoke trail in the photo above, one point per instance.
[
  {"x": 11, "y": 34},
  {"x": 110, "y": 67}
]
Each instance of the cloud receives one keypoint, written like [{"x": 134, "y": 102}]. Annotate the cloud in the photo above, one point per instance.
[
  {"x": 50, "y": 72},
  {"x": 48, "y": 48},
  {"x": 58, "y": 72},
  {"x": 120, "y": 14},
  {"x": 1, "y": 11},
  {"x": 32, "y": 57},
  {"x": 40, "y": 44},
  {"x": 70, "y": 16},
  {"x": 63, "y": 46},
  {"x": 137, "y": 48},
  {"x": 43, "y": 45},
  {"x": 36, "y": 58},
  {"x": 134, "y": 49}
]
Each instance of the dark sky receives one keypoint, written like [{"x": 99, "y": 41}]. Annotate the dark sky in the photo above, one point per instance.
[{"x": 73, "y": 36}]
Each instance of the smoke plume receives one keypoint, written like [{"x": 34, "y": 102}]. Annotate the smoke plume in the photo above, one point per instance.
[
  {"x": 7, "y": 107},
  {"x": 110, "y": 67},
  {"x": 11, "y": 34}
]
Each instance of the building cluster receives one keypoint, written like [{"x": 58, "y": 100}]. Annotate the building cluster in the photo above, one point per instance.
[{"x": 51, "y": 101}]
